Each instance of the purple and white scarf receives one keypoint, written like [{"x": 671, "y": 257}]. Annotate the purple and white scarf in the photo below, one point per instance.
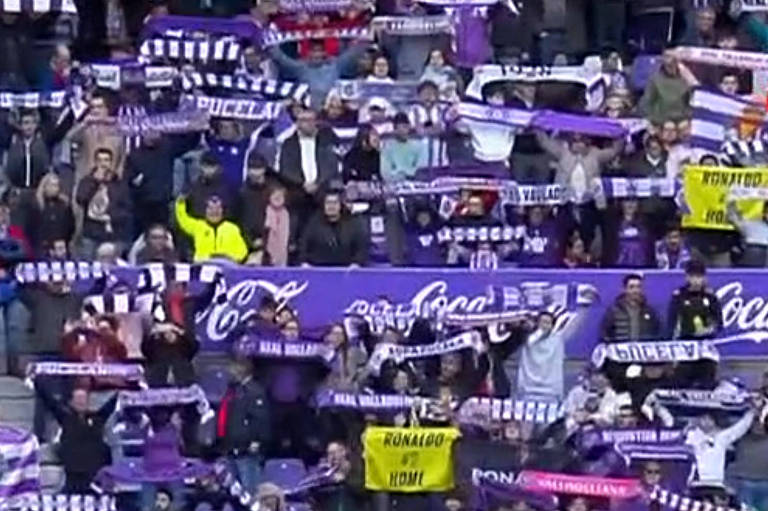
[
  {"x": 276, "y": 37},
  {"x": 59, "y": 271},
  {"x": 412, "y": 25},
  {"x": 314, "y": 5},
  {"x": 282, "y": 349},
  {"x": 749, "y": 6},
  {"x": 246, "y": 84},
  {"x": 400, "y": 353},
  {"x": 116, "y": 75},
  {"x": 33, "y": 99},
  {"x": 694, "y": 400},
  {"x": 496, "y": 234},
  {"x": 166, "y": 123},
  {"x": 170, "y": 396},
  {"x": 677, "y": 502},
  {"x": 483, "y": 411},
  {"x": 364, "y": 402},
  {"x": 396, "y": 93},
  {"x": 19, "y": 466},
  {"x": 233, "y": 108},
  {"x": 655, "y": 352},
  {"x": 37, "y": 6},
  {"x": 132, "y": 372},
  {"x": 58, "y": 502},
  {"x": 191, "y": 50}
]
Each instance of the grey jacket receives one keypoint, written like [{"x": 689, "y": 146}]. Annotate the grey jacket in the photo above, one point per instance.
[{"x": 592, "y": 163}]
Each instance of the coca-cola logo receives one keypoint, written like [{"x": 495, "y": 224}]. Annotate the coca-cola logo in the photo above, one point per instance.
[
  {"x": 747, "y": 315},
  {"x": 222, "y": 318}
]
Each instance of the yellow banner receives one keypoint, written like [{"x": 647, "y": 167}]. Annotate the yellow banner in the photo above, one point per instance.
[
  {"x": 409, "y": 459},
  {"x": 707, "y": 193}
]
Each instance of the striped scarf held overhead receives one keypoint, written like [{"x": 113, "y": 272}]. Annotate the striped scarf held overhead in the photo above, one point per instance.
[
  {"x": 247, "y": 84},
  {"x": 486, "y": 410},
  {"x": 60, "y": 502},
  {"x": 194, "y": 50},
  {"x": 37, "y": 6}
]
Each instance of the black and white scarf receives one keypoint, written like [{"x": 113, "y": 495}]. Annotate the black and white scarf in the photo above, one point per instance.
[
  {"x": 276, "y": 37},
  {"x": 132, "y": 372},
  {"x": 497, "y": 234},
  {"x": 412, "y": 25},
  {"x": 654, "y": 352},
  {"x": 677, "y": 502},
  {"x": 400, "y": 353},
  {"x": 486, "y": 410}
]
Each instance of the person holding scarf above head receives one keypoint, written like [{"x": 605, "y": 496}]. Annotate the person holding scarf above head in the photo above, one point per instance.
[
  {"x": 579, "y": 166},
  {"x": 213, "y": 236}
]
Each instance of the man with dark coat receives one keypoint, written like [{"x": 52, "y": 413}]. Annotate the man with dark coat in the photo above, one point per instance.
[
  {"x": 630, "y": 318},
  {"x": 252, "y": 200},
  {"x": 695, "y": 313},
  {"x": 307, "y": 162},
  {"x": 243, "y": 426},
  {"x": 82, "y": 450},
  {"x": 331, "y": 238},
  {"x": 149, "y": 170}
]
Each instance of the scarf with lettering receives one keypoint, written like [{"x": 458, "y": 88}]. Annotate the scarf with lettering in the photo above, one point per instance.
[
  {"x": 590, "y": 439},
  {"x": 484, "y": 411},
  {"x": 115, "y": 75},
  {"x": 275, "y": 37},
  {"x": 588, "y": 76},
  {"x": 654, "y": 352},
  {"x": 496, "y": 234},
  {"x": 60, "y": 502},
  {"x": 37, "y": 6},
  {"x": 294, "y": 6},
  {"x": 246, "y": 84},
  {"x": 165, "y": 123},
  {"x": 589, "y": 486},
  {"x": 364, "y": 402},
  {"x": 33, "y": 99},
  {"x": 233, "y": 108},
  {"x": 694, "y": 400},
  {"x": 401, "y": 353},
  {"x": 170, "y": 396},
  {"x": 412, "y": 25},
  {"x": 134, "y": 372},
  {"x": 283, "y": 349},
  {"x": 489, "y": 494},
  {"x": 397, "y": 92},
  {"x": 723, "y": 58}
]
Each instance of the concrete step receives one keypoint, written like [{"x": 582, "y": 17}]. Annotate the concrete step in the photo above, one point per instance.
[
  {"x": 51, "y": 478},
  {"x": 12, "y": 387}
]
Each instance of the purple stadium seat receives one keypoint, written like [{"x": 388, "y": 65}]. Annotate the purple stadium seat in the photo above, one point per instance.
[
  {"x": 214, "y": 383},
  {"x": 284, "y": 472}
]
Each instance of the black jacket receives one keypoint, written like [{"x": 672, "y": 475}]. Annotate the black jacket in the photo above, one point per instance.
[
  {"x": 333, "y": 244},
  {"x": 153, "y": 165},
  {"x": 120, "y": 210},
  {"x": 162, "y": 357},
  {"x": 615, "y": 326},
  {"x": 249, "y": 417},
  {"x": 55, "y": 221},
  {"x": 362, "y": 165},
  {"x": 326, "y": 159},
  {"x": 686, "y": 305},
  {"x": 27, "y": 162},
  {"x": 82, "y": 449},
  {"x": 203, "y": 189}
]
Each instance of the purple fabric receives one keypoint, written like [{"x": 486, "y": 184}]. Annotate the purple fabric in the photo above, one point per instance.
[
  {"x": 242, "y": 28},
  {"x": 423, "y": 249},
  {"x": 632, "y": 250},
  {"x": 586, "y": 125},
  {"x": 540, "y": 247},
  {"x": 321, "y": 295},
  {"x": 285, "y": 383},
  {"x": 25, "y": 486},
  {"x": 472, "y": 48},
  {"x": 489, "y": 494}
]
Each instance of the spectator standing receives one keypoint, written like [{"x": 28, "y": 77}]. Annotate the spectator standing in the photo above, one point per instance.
[
  {"x": 402, "y": 155},
  {"x": 363, "y": 161},
  {"x": 253, "y": 199},
  {"x": 666, "y": 93},
  {"x": 28, "y": 158},
  {"x": 213, "y": 236},
  {"x": 332, "y": 238},
  {"x": 670, "y": 251},
  {"x": 746, "y": 473},
  {"x": 630, "y": 318},
  {"x": 51, "y": 215},
  {"x": 755, "y": 236},
  {"x": 243, "y": 425},
  {"x": 168, "y": 352},
  {"x": 108, "y": 211}
]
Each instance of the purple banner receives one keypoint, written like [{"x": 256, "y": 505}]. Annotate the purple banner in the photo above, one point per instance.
[{"x": 325, "y": 296}]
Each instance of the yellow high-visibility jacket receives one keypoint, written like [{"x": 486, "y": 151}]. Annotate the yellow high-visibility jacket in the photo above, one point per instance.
[{"x": 223, "y": 239}]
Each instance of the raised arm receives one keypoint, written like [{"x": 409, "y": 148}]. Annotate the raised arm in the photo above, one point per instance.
[
  {"x": 549, "y": 144},
  {"x": 731, "y": 434},
  {"x": 186, "y": 222},
  {"x": 285, "y": 62}
]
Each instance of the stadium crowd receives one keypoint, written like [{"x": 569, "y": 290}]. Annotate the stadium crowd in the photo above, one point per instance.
[{"x": 470, "y": 134}]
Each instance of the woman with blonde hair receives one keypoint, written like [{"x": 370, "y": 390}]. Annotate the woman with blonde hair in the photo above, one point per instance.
[
  {"x": 271, "y": 497},
  {"x": 52, "y": 216}
]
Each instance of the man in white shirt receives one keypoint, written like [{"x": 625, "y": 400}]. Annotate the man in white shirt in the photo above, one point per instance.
[{"x": 710, "y": 445}]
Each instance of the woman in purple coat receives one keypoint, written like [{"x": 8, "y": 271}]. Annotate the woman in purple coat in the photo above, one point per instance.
[{"x": 628, "y": 243}]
